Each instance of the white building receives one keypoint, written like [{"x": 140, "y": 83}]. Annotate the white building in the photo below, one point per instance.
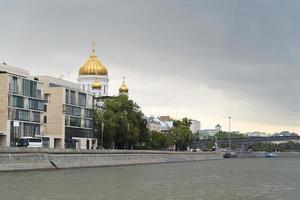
[
  {"x": 153, "y": 124},
  {"x": 158, "y": 124},
  {"x": 210, "y": 132},
  {"x": 218, "y": 128},
  {"x": 195, "y": 126},
  {"x": 256, "y": 134}
]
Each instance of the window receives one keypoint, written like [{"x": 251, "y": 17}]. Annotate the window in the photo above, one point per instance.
[
  {"x": 17, "y": 101},
  {"x": 81, "y": 99},
  {"x": 31, "y": 129},
  {"x": 14, "y": 85},
  {"x": 22, "y": 115},
  {"x": 29, "y": 88},
  {"x": 47, "y": 98},
  {"x": 45, "y": 119},
  {"x": 67, "y": 99},
  {"x": 72, "y": 110},
  {"x": 75, "y": 121},
  {"x": 66, "y": 121},
  {"x": 45, "y": 108},
  {"x": 36, "y": 117},
  {"x": 73, "y": 98},
  {"x": 88, "y": 113},
  {"x": 36, "y": 104},
  {"x": 88, "y": 123}
]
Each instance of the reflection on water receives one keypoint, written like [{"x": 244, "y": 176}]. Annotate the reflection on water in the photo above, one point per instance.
[{"x": 228, "y": 179}]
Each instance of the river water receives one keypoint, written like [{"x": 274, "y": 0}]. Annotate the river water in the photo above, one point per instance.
[{"x": 228, "y": 179}]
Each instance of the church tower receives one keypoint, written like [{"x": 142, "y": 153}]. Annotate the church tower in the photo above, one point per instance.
[
  {"x": 92, "y": 73},
  {"x": 123, "y": 90}
]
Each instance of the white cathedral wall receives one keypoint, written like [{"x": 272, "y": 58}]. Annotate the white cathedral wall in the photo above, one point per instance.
[{"x": 87, "y": 80}]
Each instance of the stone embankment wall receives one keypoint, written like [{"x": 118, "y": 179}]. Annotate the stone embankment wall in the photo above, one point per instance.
[
  {"x": 35, "y": 158},
  {"x": 262, "y": 154},
  {"x": 288, "y": 154}
]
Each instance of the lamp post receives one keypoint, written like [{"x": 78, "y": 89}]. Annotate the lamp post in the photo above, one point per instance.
[
  {"x": 102, "y": 129},
  {"x": 126, "y": 136},
  {"x": 229, "y": 136}
]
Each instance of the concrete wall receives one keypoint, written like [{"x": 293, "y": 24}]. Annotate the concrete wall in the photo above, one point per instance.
[
  {"x": 29, "y": 159},
  {"x": 55, "y": 126}
]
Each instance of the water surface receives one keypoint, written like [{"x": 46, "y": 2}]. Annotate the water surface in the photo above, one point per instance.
[{"x": 229, "y": 179}]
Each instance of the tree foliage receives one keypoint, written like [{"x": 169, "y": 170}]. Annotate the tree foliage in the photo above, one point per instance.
[
  {"x": 181, "y": 133},
  {"x": 269, "y": 146},
  {"x": 160, "y": 141},
  {"x": 124, "y": 127}
]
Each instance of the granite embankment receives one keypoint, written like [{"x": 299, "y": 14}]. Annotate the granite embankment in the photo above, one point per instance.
[
  {"x": 262, "y": 154},
  {"x": 36, "y": 158}
]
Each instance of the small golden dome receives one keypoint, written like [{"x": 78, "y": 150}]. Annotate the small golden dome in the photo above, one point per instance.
[
  {"x": 123, "y": 88},
  {"x": 93, "y": 66},
  {"x": 96, "y": 85}
]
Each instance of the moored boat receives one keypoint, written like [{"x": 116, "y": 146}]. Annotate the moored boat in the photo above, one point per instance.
[{"x": 272, "y": 154}]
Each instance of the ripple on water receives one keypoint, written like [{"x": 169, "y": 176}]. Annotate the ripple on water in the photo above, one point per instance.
[{"x": 232, "y": 179}]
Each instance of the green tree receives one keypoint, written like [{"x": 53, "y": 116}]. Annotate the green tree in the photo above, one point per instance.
[
  {"x": 181, "y": 133},
  {"x": 124, "y": 127},
  {"x": 160, "y": 141}
]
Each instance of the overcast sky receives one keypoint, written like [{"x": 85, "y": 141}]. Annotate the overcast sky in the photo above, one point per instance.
[{"x": 202, "y": 59}]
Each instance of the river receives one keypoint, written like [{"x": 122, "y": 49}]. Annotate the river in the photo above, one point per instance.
[{"x": 228, "y": 179}]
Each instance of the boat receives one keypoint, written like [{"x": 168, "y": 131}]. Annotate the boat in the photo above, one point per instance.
[
  {"x": 230, "y": 155},
  {"x": 272, "y": 155}
]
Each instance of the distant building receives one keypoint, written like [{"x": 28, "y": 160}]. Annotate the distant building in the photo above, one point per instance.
[
  {"x": 256, "y": 134},
  {"x": 285, "y": 133},
  {"x": 218, "y": 128},
  {"x": 195, "y": 126},
  {"x": 164, "y": 118},
  {"x": 153, "y": 124},
  {"x": 166, "y": 123},
  {"x": 165, "y": 126},
  {"x": 156, "y": 124},
  {"x": 210, "y": 132}
]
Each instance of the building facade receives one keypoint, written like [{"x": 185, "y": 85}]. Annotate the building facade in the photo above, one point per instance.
[
  {"x": 21, "y": 107},
  {"x": 68, "y": 114},
  {"x": 153, "y": 124}
]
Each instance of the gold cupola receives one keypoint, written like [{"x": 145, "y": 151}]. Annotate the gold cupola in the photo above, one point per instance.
[
  {"x": 123, "y": 88},
  {"x": 93, "y": 66},
  {"x": 96, "y": 85}
]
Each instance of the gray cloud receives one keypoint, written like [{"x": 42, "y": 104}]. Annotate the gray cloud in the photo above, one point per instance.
[{"x": 208, "y": 59}]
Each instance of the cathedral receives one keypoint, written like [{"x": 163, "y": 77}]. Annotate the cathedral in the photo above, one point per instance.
[{"x": 93, "y": 78}]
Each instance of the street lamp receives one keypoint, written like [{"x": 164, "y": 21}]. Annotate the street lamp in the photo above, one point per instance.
[
  {"x": 229, "y": 136},
  {"x": 127, "y": 131},
  {"x": 102, "y": 129}
]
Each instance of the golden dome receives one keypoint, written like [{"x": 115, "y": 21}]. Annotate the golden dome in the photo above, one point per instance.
[
  {"x": 96, "y": 85},
  {"x": 123, "y": 88},
  {"x": 93, "y": 66}
]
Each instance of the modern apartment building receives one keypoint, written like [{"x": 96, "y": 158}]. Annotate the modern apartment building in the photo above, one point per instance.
[
  {"x": 68, "y": 114},
  {"x": 21, "y": 105}
]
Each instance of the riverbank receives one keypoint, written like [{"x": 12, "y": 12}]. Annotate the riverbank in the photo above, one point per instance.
[
  {"x": 13, "y": 159},
  {"x": 262, "y": 154}
]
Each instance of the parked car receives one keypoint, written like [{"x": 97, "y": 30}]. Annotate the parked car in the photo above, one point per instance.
[{"x": 30, "y": 142}]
